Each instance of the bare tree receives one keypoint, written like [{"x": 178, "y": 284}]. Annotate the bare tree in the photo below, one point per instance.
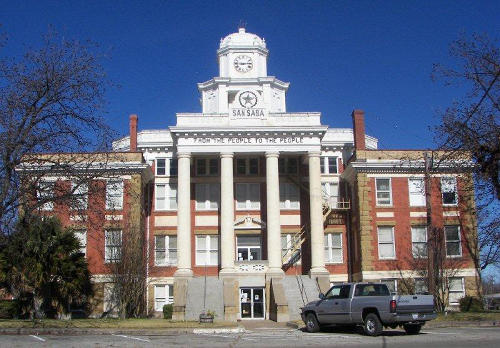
[{"x": 51, "y": 101}]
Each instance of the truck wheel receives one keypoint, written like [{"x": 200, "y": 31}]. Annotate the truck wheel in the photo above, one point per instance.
[
  {"x": 312, "y": 324},
  {"x": 412, "y": 329},
  {"x": 372, "y": 325}
]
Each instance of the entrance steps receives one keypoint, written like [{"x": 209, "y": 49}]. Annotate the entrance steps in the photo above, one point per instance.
[
  {"x": 214, "y": 301},
  {"x": 292, "y": 285}
]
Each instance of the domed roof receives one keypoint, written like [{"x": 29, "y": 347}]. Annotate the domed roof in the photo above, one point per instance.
[{"x": 242, "y": 39}]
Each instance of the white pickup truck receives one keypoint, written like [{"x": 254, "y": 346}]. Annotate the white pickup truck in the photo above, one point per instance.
[{"x": 370, "y": 305}]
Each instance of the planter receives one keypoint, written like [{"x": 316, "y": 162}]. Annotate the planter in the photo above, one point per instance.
[{"x": 206, "y": 318}]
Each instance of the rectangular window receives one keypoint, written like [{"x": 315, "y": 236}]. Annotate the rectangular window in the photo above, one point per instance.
[
  {"x": 419, "y": 241},
  {"x": 449, "y": 190},
  {"x": 386, "y": 242},
  {"x": 383, "y": 188},
  {"x": 330, "y": 192},
  {"x": 114, "y": 194},
  {"x": 165, "y": 250},
  {"x": 45, "y": 194},
  {"x": 328, "y": 165},
  {"x": 207, "y": 250},
  {"x": 453, "y": 245},
  {"x": 333, "y": 248},
  {"x": 161, "y": 168},
  {"x": 80, "y": 196},
  {"x": 207, "y": 196},
  {"x": 164, "y": 294},
  {"x": 173, "y": 166},
  {"x": 247, "y": 166},
  {"x": 416, "y": 188},
  {"x": 288, "y": 165},
  {"x": 207, "y": 166},
  {"x": 392, "y": 285},
  {"x": 289, "y": 196},
  {"x": 166, "y": 196},
  {"x": 248, "y": 248},
  {"x": 113, "y": 245},
  {"x": 248, "y": 196},
  {"x": 456, "y": 290},
  {"x": 81, "y": 235},
  {"x": 421, "y": 286}
]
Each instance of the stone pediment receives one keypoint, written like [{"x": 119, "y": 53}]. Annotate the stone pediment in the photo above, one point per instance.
[{"x": 249, "y": 222}]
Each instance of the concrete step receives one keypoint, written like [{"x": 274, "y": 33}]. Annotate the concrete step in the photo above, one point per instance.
[
  {"x": 213, "y": 301},
  {"x": 294, "y": 298}
]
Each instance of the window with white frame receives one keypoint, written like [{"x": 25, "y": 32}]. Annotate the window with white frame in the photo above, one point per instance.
[
  {"x": 286, "y": 245},
  {"x": 80, "y": 196},
  {"x": 456, "y": 290},
  {"x": 421, "y": 286},
  {"x": 247, "y": 166},
  {"x": 386, "y": 248},
  {"x": 45, "y": 194},
  {"x": 207, "y": 250},
  {"x": 419, "y": 241},
  {"x": 81, "y": 235},
  {"x": 416, "y": 188},
  {"x": 248, "y": 196},
  {"x": 165, "y": 250},
  {"x": 248, "y": 247},
  {"x": 333, "y": 248},
  {"x": 166, "y": 166},
  {"x": 392, "y": 285},
  {"x": 110, "y": 298},
  {"x": 112, "y": 245},
  {"x": 164, "y": 294},
  {"x": 330, "y": 191},
  {"x": 166, "y": 196},
  {"x": 452, "y": 236},
  {"x": 114, "y": 194},
  {"x": 161, "y": 166},
  {"x": 449, "y": 190},
  {"x": 288, "y": 165},
  {"x": 289, "y": 196},
  {"x": 207, "y": 166},
  {"x": 328, "y": 165},
  {"x": 383, "y": 191},
  {"x": 207, "y": 196}
]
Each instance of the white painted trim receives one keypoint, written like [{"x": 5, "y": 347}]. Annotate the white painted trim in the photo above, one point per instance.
[{"x": 367, "y": 275}]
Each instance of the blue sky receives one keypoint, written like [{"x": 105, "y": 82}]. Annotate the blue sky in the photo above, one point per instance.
[{"x": 338, "y": 55}]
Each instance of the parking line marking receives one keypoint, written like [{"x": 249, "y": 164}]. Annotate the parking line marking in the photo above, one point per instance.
[
  {"x": 133, "y": 338},
  {"x": 38, "y": 338}
]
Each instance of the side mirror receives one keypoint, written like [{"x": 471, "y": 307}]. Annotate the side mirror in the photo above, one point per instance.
[{"x": 321, "y": 296}]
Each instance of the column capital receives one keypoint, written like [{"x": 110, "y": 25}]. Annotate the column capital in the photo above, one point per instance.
[
  {"x": 183, "y": 154},
  {"x": 314, "y": 153},
  {"x": 272, "y": 154},
  {"x": 226, "y": 154}
]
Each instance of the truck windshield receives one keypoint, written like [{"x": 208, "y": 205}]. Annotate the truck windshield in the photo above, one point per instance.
[{"x": 371, "y": 290}]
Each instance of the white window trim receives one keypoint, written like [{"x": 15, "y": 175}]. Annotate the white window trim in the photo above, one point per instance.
[
  {"x": 410, "y": 193},
  {"x": 453, "y": 241},
  {"x": 288, "y": 237},
  {"x": 331, "y": 247},
  {"x": 248, "y": 202},
  {"x": 82, "y": 189},
  {"x": 393, "y": 244},
  {"x": 462, "y": 291},
  {"x": 106, "y": 256},
  {"x": 108, "y": 201},
  {"x": 207, "y": 250},
  {"x": 390, "y": 193},
  {"x": 167, "y": 190},
  {"x": 207, "y": 202},
  {"x": 166, "y": 165},
  {"x": 326, "y": 167},
  {"x": 82, "y": 231},
  {"x": 44, "y": 194},
  {"x": 426, "y": 242},
  {"x": 167, "y": 262},
  {"x": 168, "y": 299},
  {"x": 288, "y": 202},
  {"x": 456, "y": 191}
]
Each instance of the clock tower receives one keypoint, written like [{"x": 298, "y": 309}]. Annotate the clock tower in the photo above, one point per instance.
[{"x": 243, "y": 89}]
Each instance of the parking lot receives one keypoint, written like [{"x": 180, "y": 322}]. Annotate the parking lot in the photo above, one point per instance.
[{"x": 264, "y": 337}]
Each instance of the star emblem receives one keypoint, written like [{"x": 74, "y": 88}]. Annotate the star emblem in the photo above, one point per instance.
[{"x": 248, "y": 99}]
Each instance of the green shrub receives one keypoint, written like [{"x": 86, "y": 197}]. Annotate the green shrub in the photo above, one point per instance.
[
  {"x": 168, "y": 309},
  {"x": 8, "y": 309},
  {"x": 470, "y": 304}
]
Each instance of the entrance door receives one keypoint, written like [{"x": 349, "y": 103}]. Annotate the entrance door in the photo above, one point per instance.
[{"x": 252, "y": 304}]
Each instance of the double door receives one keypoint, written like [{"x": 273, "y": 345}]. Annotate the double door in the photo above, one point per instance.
[{"x": 252, "y": 303}]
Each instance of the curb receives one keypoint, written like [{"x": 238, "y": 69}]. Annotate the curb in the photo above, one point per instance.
[
  {"x": 292, "y": 325},
  {"x": 91, "y": 331},
  {"x": 220, "y": 330}
]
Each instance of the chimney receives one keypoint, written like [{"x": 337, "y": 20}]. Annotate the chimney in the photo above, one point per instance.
[
  {"x": 133, "y": 133},
  {"x": 358, "y": 121}
]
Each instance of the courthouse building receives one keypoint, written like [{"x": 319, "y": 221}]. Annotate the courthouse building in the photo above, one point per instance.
[{"x": 249, "y": 209}]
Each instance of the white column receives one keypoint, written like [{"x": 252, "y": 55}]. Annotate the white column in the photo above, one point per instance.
[
  {"x": 184, "y": 216},
  {"x": 227, "y": 213},
  {"x": 316, "y": 215},
  {"x": 273, "y": 214}
]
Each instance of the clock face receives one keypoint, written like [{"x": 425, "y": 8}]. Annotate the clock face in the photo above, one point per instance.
[
  {"x": 243, "y": 63},
  {"x": 248, "y": 99}
]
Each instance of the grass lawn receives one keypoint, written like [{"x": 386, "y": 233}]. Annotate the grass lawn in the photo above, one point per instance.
[{"x": 110, "y": 324}]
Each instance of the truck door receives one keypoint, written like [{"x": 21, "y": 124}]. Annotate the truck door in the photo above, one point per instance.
[{"x": 334, "y": 308}]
